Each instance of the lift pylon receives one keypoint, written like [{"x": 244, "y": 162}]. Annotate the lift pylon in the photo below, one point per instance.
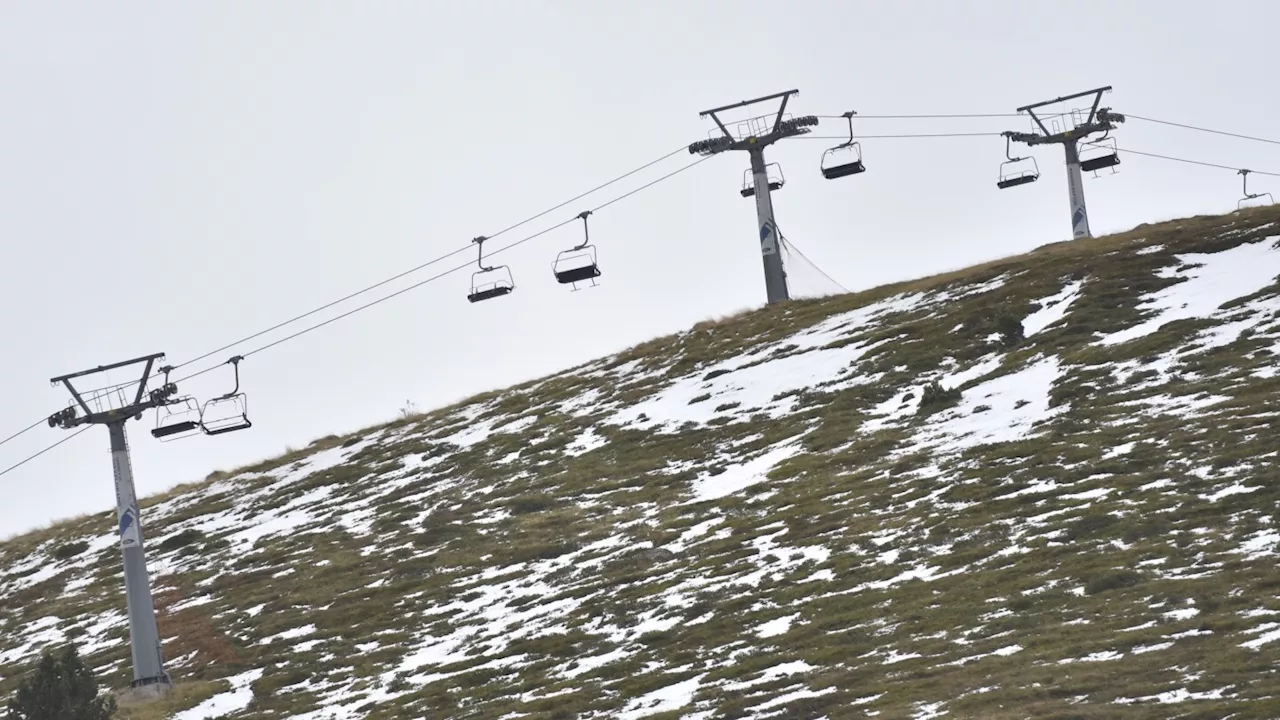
[
  {"x": 149, "y": 676},
  {"x": 1097, "y": 120},
  {"x": 579, "y": 262},
  {"x": 754, "y": 135}
]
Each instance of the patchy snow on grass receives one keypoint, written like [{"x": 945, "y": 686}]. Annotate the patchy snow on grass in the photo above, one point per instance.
[
  {"x": 1015, "y": 404},
  {"x": 1270, "y": 632},
  {"x": 1263, "y": 544},
  {"x": 1220, "y": 278},
  {"x": 739, "y": 477},
  {"x": 1052, "y": 309},
  {"x": 38, "y": 634},
  {"x": 235, "y": 700},
  {"x": 1179, "y": 695},
  {"x": 290, "y": 519},
  {"x": 707, "y": 394},
  {"x": 681, "y": 543},
  {"x": 1228, "y": 491},
  {"x": 666, "y": 699},
  {"x": 586, "y": 441},
  {"x": 1104, "y": 656},
  {"x": 777, "y": 626},
  {"x": 794, "y": 695},
  {"x": 770, "y": 674},
  {"x": 289, "y": 634},
  {"x": 750, "y": 382}
]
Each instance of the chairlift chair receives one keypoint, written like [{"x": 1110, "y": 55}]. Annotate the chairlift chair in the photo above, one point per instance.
[
  {"x": 226, "y": 413},
  {"x": 175, "y": 424},
  {"x": 1248, "y": 196},
  {"x": 1015, "y": 172},
  {"x": 579, "y": 262},
  {"x": 844, "y": 159},
  {"x": 1099, "y": 155},
  {"x": 489, "y": 281},
  {"x": 776, "y": 180}
]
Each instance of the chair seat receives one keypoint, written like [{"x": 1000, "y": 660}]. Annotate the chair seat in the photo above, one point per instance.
[
  {"x": 1098, "y": 163},
  {"x": 578, "y": 274},
  {"x": 493, "y": 292},
  {"x": 1015, "y": 181},
  {"x": 839, "y": 171}
]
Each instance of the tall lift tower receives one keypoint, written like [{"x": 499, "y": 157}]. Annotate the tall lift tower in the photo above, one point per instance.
[
  {"x": 754, "y": 135},
  {"x": 149, "y": 676},
  {"x": 1098, "y": 120}
]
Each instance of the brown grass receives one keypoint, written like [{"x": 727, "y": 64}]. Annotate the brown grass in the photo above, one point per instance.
[
  {"x": 183, "y": 696},
  {"x": 191, "y": 630}
]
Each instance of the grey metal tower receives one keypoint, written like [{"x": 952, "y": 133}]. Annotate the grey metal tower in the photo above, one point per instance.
[
  {"x": 1098, "y": 120},
  {"x": 149, "y": 676},
  {"x": 754, "y": 135}
]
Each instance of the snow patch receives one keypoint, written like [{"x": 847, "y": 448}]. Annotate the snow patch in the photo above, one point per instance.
[{"x": 1220, "y": 278}]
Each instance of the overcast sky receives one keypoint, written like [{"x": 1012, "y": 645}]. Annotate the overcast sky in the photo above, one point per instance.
[{"x": 174, "y": 176}]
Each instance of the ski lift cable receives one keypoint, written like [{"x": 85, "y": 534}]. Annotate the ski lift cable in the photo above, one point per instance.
[
  {"x": 1131, "y": 116},
  {"x": 450, "y": 271},
  {"x": 948, "y": 116},
  {"x": 465, "y": 248},
  {"x": 98, "y": 393},
  {"x": 23, "y": 431},
  {"x": 650, "y": 164},
  {"x": 647, "y": 165},
  {"x": 381, "y": 299},
  {"x": 934, "y": 116},
  {"x": 1198, "y": 162},
  {"x": 907, "y": 135},
  {"x": 29, "y": 458}
]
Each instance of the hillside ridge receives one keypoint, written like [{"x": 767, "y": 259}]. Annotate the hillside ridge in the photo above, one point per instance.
[{"x": 1043, "y": 486}]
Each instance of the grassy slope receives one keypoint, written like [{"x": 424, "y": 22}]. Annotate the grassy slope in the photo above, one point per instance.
[{"x": 1051, "y": 575}]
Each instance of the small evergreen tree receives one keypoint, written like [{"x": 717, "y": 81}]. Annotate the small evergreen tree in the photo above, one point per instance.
[
  {"x": 61, "y": 688},
  {"x": 1010, "y": 329},
  {"x": 935, "y": 397}
]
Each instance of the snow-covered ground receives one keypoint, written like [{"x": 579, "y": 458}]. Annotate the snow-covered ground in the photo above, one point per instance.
[{"x": 778, "y": 567}]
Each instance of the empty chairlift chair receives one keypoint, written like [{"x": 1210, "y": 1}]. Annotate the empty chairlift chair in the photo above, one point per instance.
[
  {"x": 1017, "y": 170},
  {"x": 579, "y": 262},
  {"x": 1248, "y": 199},
  {"x": 489, "y": 282},
  {"x": 177, "y": 420},
  {"x": 227, "y": 413},
  {"x": 773, "y": 171},
  {"x": 844, "y": 159},
  {"x": 1099, "y": 155}
]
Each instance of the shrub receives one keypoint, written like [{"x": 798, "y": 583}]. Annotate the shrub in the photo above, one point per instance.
[
  {"x": 61, "y": 688},
  {"x": 935, "y": 397},
  {"x": 70, "y": 550},
  {"x": 182, "y": 539},
  {"x": 1010, "y": 329},
  {"x": 1111, "y": 580}
]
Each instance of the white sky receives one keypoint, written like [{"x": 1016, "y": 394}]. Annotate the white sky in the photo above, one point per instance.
[{"x": 174, "y": 176}]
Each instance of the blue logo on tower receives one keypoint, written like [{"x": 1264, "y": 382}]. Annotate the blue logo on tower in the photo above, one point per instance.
[
  {"x": 767, "y": 244},
  {"x": 129, "y": 535},
  {"x": 1077, "y": 217}
]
